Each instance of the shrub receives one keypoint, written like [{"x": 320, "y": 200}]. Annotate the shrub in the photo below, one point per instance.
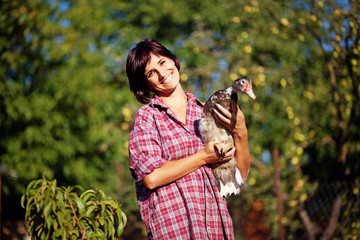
[{"x": 59, "y": 213}]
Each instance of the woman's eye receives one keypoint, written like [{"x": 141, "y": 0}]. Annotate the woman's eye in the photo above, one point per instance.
[
  {"x": 162, "y": 62},
  {"x": 149, "y": 74}
]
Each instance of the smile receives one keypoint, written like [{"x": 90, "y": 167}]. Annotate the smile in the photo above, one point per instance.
[{"x": 168, "y": 79}]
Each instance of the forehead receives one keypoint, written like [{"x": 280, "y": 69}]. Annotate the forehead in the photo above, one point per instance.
[{"x": 153, "y": 61}]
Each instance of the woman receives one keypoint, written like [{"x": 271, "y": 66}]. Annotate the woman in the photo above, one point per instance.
[{"x": 176, "y": 193}]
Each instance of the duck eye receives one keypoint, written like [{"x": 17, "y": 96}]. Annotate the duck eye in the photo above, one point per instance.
[{"x": 243, "y": 82}]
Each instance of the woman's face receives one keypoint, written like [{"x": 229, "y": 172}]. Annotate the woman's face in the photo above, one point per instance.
[{"x": 161, "y": 74}]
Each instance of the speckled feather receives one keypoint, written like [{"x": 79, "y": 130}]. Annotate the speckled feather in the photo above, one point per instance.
[{"x": 226, "y": 175}]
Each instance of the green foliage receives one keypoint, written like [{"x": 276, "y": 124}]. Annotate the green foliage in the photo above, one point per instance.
[
  {"x": 61, "y": 106},
  {"x": 54, "y": 212}
]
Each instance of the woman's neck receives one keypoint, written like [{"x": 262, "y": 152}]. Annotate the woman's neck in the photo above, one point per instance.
[{"x": 176, "y": 99}]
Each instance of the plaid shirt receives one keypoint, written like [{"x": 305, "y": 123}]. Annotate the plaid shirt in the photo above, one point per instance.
[{"x": 191, "y": 207}]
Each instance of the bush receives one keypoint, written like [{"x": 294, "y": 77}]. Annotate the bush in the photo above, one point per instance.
[{"x": 59, "y": 213}]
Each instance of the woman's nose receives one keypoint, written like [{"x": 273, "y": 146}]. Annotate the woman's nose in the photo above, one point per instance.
[{"x": 161, "y": 73}]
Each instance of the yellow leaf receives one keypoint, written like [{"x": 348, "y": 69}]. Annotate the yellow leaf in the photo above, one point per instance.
[
  {"x": 301, "y": 21},
  {"x": 257, "y": 149},
  {"x": 248, "y": 49},
  {"x": 313, "y": 18},
  {"x": 293, "y": 203},
  {"x": 252, "y": 181},
  {"x": 184, "y": 77},
  {"x": 303, "y": 197},
  {"x": 125, "y": 126},
  {"x": 296, "y": 121},
  {"x": 247, "y": 8},
  {"x": 233, "y": 76},
  {"x": 301, "y": 37},
  {"x": 245, "y": 98},
  {"x": 275, "y": 30},
  {"x": 284, "y": 36},
  {"x": 256, "y": 107},
  {"x": 236, "y": 19},
  {"x": 299, "y": 150},
  {"x": 284, "y": 21},
  {"x": 23, "y": 10},
  {"x": 311, "y": 133},
  {"x": 126, "y": 113},
  {"x": 295, "y": 160},
  {"x": 290, "y": 115},
  {"x": 242, "y": 71}
]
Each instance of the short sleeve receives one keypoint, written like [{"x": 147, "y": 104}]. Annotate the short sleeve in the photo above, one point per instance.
[{"x": 145, "y": 152}]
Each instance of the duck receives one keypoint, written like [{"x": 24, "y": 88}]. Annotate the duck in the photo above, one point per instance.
[{"x": 227, "y": 176}]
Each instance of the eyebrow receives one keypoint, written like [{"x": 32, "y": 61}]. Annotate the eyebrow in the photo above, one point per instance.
[{"x": 151, "y": 68}]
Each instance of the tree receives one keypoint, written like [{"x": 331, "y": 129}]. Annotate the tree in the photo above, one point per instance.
[{"x": 65, "y": 114}]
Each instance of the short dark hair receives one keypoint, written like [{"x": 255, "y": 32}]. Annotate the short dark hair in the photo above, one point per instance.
[{"x": 136, "y": 62}]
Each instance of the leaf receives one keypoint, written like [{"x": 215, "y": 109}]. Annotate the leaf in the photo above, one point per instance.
[
  {"x": 90, "y": 210},
  {"x": 85, "y": 196},
  {"x": 80, "y": 206}
]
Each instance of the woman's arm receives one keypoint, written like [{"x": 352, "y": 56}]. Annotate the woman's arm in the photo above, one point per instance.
[
  {"x": 235, "y": 122},
  {"x": 173, "y": 170}
]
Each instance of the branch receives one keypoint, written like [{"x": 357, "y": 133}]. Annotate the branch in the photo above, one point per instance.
[
  {"x": 333, "y": 222},
  {"x": 83, "y": 237},
  {"x": 335, "y": 94},
  {"x": 77, "y": 219},
  {"x": 261, "y": 166},
  {"x": 350, "y": 205},
  {"x": 311, "y": 228},
  {"x": 68, "y": 233}
]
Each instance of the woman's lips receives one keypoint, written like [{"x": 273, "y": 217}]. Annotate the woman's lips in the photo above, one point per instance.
[{"x": 168, "y": 79}]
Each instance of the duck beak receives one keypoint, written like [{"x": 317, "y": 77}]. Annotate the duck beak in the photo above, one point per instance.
[{"x": 250, "y": 92}]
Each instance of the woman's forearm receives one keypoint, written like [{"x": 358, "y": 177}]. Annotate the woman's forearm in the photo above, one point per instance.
[
  {"x": 242, "y": 154},
  {"x": 173, "y": 170}
]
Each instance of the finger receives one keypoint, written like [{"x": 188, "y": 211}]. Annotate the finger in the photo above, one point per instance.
[
  {"x": 221, "y": 117},
  {"x": 234, "y": 107},
  {"x": 231, "y": 153},
  {"x": 223, "y": 110}
]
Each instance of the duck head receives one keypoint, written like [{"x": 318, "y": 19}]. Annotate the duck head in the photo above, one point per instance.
[{"x": 243, "y": 84}]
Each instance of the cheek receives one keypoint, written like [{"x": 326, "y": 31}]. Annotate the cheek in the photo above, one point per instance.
[{"x": 151, "y": 83}]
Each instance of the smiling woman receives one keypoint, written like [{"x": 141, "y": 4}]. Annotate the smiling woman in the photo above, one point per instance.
[
  {"x": 162, "y": 75},
  {"x": 176, "y": 193}
]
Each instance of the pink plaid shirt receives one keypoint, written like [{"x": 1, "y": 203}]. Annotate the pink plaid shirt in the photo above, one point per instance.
[{"x": 191, "y": 207}]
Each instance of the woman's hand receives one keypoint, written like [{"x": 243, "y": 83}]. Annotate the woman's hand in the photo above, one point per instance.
[
  {"x": 234, "y": 121},
  {"x": 211, "y": 155}
]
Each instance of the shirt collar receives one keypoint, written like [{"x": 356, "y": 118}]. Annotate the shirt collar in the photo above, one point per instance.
[
  {"x": 157, "y": 101},
  {"x": 193, "y": 99}
]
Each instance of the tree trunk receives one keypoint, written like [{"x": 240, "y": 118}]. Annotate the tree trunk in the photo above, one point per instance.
[{"x": 333, "y": 222}]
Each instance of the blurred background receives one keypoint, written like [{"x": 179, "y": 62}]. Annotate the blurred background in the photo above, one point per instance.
[{"x": 66, "y": 109}]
